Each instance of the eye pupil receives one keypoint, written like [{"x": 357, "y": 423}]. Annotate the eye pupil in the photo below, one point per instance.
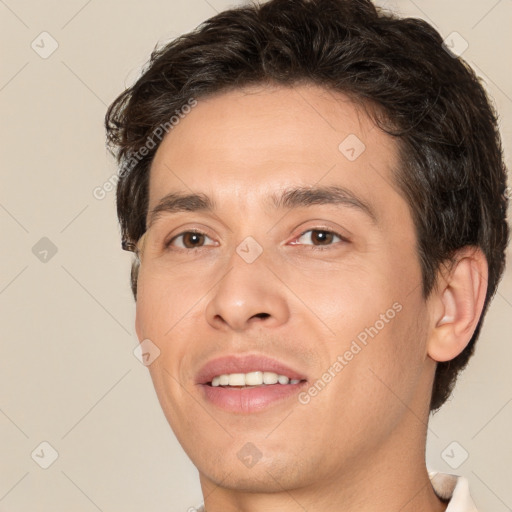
[
  {"x": 193, "y": 235},
  {"x": 323, "y": 236}
]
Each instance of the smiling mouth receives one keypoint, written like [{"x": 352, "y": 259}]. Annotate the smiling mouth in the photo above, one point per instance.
[
  {"x": 249, "y": 383},
  {"x": 252, "y": 380}
]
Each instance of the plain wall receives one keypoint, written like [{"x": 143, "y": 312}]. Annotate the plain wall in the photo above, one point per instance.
[{"x": 68, "y": 375}]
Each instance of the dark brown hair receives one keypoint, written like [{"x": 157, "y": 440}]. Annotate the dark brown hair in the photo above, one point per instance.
[{"x": 452, "y": 172}]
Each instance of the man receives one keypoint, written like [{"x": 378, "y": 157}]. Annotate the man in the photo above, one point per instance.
[{"x": 315, "y": 194}]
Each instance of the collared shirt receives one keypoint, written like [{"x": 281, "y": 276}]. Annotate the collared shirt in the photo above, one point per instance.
[
  {"x": 446, "y": 486},
  {"x": 455, "y": 488}
]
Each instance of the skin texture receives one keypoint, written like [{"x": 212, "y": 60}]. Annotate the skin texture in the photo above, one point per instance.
[{"x": 359, "y": 444}]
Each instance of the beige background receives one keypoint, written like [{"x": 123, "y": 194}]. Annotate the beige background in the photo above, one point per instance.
[{"x": 68, "y": 375}]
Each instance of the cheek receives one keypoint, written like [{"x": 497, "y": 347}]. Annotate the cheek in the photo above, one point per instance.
[
  {"x": 161, "y": 302},
  {"x": 161, "y": 316},
  {"x": 378, "y": 318},
  {"x": 389, "y": 368},
  {"x": 346, "y": 297},
  {"x": 371, "y": 394},
  {"x": 166, "y": 309}
]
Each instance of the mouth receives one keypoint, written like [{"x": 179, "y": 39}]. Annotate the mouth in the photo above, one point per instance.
[
  {"x": 252, "y": 380},
  {"x": 248, "y": 384}
]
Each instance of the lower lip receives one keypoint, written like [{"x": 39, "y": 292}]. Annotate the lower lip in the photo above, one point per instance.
[{"x": 250, "y": 400}]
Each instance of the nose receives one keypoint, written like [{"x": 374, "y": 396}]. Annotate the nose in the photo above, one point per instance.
[{"x": 248, "y": 294}]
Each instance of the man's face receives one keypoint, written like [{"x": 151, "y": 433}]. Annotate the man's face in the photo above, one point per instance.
[{"x": 328, "y": 292}]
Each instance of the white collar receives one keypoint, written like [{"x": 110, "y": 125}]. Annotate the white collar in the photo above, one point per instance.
[{"x": 455, "y": 488}]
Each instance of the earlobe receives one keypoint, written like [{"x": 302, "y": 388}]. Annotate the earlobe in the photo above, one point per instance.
[{"x": 458, "y": 303}]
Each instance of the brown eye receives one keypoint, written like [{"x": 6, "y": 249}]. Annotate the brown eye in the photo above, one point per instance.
[
  {"x": 320, "y": 237},
  {"x": 189, "y": 240}
]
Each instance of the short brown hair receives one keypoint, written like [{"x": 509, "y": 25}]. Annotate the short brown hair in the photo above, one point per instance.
[{"x": 452, "y": 171}]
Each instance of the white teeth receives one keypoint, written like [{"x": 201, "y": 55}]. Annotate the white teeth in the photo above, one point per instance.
[
  {"x": 270, "y": 378},
  {"x": 237, "y": 379},
  {"x": 255, "y": 378}
]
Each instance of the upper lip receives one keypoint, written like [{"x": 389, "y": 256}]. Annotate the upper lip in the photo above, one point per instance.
[{"x": 245, "y": 364}]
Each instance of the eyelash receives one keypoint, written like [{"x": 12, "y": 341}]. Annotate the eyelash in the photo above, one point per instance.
[{"x": 313, "y": 247}]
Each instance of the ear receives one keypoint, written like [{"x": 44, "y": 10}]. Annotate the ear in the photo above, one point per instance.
[{"x": 456, "y": 304}]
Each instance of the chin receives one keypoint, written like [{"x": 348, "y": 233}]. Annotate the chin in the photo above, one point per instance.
[{"x": 268, "y": 475}]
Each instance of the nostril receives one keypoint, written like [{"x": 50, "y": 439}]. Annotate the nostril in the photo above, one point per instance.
[{"x": 262, "y": 315}]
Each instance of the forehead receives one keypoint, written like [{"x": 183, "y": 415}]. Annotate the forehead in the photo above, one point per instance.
[{"x": 248, "y": 143}]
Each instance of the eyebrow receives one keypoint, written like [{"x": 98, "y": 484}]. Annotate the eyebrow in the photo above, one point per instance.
[{"x": 290, "y": 198}]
